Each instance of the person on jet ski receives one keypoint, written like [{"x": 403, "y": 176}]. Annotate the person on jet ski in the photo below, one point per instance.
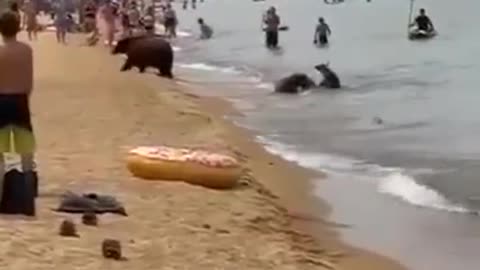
[{"x": 423, "y": 22}]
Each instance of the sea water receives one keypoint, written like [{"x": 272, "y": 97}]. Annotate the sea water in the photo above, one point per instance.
[{"x": 409, "y": 186}]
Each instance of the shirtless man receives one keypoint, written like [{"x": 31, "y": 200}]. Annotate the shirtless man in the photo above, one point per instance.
[{"x": 16, "y": 83}]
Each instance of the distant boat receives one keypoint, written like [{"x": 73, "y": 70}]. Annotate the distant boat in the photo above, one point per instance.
[{"x": 421, "y": 34}]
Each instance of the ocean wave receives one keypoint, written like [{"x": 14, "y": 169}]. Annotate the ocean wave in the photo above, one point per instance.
[
  {"x": 207, "y": 67},
  {"x": 406, "y": 188},
  {"x": 316, "y": 161},
  {"x": 388, "y": 180},
  {"x": 160, "y": 28},
  {"x": 265, "y": 85}
]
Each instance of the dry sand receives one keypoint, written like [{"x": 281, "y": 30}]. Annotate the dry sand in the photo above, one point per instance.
[{"x": 87, "y": 115}]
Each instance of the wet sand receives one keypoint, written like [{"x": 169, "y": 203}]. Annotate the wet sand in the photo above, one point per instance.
[{"x": 86, "y": 116}]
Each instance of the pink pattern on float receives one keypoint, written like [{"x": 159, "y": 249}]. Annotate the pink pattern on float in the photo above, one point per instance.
[{"x": 203, "y": 157}]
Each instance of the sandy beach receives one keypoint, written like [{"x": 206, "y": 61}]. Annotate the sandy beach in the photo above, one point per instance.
[{"x": 87, "y": 115}]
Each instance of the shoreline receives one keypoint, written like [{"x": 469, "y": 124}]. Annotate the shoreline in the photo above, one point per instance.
[
  {"x": 307, "y": 213},
  {"x": 87, "y": 114}
]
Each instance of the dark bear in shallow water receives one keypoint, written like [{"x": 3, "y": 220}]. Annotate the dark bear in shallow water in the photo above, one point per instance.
[
  {"x": 294, "y": 84},
  {"x": 146, "y": 51},
  {"x": 330, "y": 78}
]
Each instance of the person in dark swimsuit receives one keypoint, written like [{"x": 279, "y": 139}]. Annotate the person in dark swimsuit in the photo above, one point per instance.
[
  {"x": 423, "y": 22},
  {"x": 322, "y": 31}
]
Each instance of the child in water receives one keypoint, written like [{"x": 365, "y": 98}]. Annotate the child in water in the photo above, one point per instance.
[
  {"x": 206, "y": 31},
  {"x": 322, "y": 31}
]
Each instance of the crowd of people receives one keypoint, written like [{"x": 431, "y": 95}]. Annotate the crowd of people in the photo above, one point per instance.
[
  {"x": 112, "y": 18},
  {"x": 272, "y": 26}
]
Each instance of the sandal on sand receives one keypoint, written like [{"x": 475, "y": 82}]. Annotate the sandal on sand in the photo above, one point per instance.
[{"x": 91, "y": 202}]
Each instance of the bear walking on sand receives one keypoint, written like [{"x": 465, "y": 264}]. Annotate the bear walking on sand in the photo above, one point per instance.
[{"x": 146, "y": 51}]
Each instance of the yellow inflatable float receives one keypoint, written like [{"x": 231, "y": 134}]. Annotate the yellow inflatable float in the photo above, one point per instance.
[{"x": 197, "y": 167}]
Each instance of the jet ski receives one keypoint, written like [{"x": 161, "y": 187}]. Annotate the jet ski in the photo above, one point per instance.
[{"x": 417, "y": 34}]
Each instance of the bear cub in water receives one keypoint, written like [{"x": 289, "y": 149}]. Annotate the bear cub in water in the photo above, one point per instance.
[{"x": 299, "y": 82}]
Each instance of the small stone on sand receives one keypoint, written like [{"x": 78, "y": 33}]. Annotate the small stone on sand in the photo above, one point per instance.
[
  {"x": 112, "y": 249},
  {"x": 90, "y": 219},
  {"x": 68, "y": 229}
]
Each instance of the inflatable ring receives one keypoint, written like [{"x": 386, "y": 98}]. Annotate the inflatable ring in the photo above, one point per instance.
[{"x": 197, "y": 167}]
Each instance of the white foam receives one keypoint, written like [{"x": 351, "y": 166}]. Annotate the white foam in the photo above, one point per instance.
[
  {"x": 176, "y": 49},
  {"x": 160, "y": 28},
  {"x": 268, "y": 86},
  {"x": 406, "y": 188},
  {"x": 207, "y": 67},
  {"x": 314, "y": 161},
  {"x": 184, "y": 34},
  {"x": 388, "y": 180}
]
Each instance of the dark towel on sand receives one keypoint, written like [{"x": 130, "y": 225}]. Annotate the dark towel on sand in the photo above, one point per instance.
[{"x": 91, "y": 202}]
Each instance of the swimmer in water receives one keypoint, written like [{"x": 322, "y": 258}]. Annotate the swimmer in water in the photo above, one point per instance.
[
  {"x": 322, "y": 31},
  {"x": 16, "y": 133},
  {"x": 206, "y": 31}
]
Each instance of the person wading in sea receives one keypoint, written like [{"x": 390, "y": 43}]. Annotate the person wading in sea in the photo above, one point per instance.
[
  {"x": 423, "y": 22},
  {"x": 206, "y": 31},
  {"x": 322, "y": 31},
  {"x": 170, "y": 21},
  {"x": 16, "y": 133},
  {"x": 272, "y": 23}
]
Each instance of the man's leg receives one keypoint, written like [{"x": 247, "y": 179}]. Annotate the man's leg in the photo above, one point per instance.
[
  {"x": 5, "y": 146},
  {"x": 2, "y": 173},
  {"x": 275, "y": 39},
  {"x": 24, "y": 143}
]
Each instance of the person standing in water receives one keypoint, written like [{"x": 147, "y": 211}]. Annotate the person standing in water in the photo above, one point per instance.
[
  {"x": 16, "y": 132},
  {"x": 206, "y": 31},
  {"x": 170, "y": 21},
  {"x": 322, "y": 31},
  {"x": 272, "y": 23},
  {"x": 423, "y": 22},
  {"x": 30, "y": 18}
]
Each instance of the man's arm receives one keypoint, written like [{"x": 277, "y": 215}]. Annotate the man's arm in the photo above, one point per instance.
[
  {"x": 413, "y": 23},
  {"x": 29, "y": 72},
  {"x": 328, "y": 30},
  {"x": 431, "y": 24}
]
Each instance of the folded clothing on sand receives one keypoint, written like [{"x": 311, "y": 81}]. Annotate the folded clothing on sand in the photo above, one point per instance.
[{"x": 91, "y": 202}]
